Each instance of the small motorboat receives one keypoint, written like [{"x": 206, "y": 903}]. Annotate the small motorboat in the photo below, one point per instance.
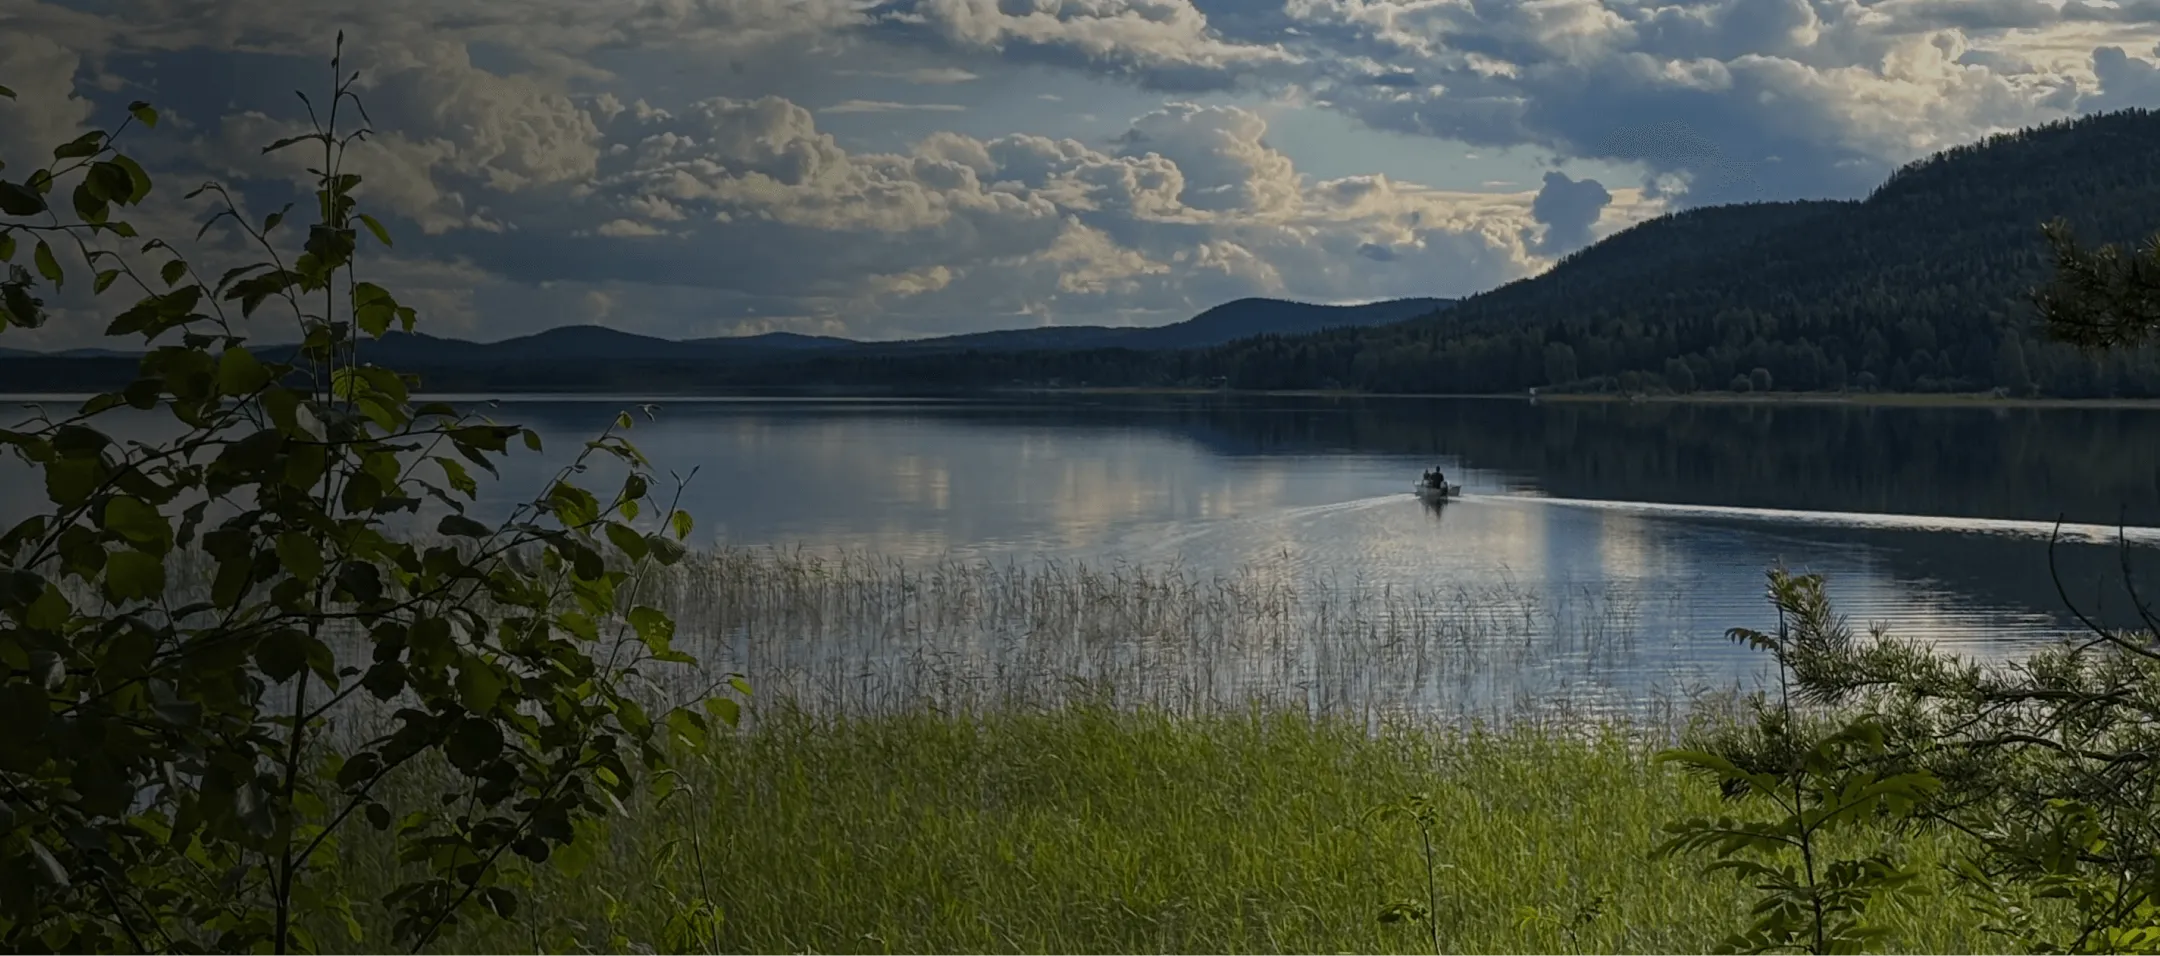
[{"x": 1431, "y": 486}]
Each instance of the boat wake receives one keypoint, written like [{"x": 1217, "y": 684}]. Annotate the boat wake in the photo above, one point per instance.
[
  {"x": 2076, "y": 533},
  {"x": 1175, "y": 537}
]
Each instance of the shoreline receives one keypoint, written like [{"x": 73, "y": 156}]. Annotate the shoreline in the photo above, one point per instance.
[
  {"x": 1973, "y": 400},
  {"x": 1867, "y": 399}
]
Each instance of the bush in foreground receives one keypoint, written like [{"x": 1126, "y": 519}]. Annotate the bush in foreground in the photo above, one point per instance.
[{"x": 169, "y": 779}]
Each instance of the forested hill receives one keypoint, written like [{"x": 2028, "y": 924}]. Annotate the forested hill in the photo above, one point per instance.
[{"x": 1921, "y": 286}]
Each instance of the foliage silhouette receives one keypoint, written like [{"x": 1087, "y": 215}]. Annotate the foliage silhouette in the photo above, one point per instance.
[
  {"x": 2048, "y": 764},
  {"x": 1817, "y": 782},
  {"x": 219, "y": 646}
]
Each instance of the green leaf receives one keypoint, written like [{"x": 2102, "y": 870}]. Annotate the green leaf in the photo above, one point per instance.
[
  {"x": 144, "y": 112},
  {"x": 282, "y": 654},
  {"x": 688, "y": 725},
  {"x": 725, "y": 710},
  {"x": 384, "y": 680},
  {"x": 16, "y": 200},
  {"x": 71, "y": 481},
  {"x": 499, "y": 901},
  {"x": 459, "y": 526},
  {"x": 87, "y": 144},
  {"x": 473, "y": 744},
  {"x": 136, "y": 520},
  {"x": 373, "y": 308},
  {"x": 300, "y": 554},
  {"x": 573, "y": 504},
  {"x": 50, "y": 611},
  {"x": 462, "y": 481},
  {"x": 665, "y": 551},
  {"x": 4, "y": 91},
  {"x": 139, "y": 181},
  {"x": 579, "y": 625},
  {"x": 134, "y": 575},
  {"x": 7, "y": 247},
  {"x": 173, "y": 272},
  {"x": 631, "y": 543},
  {"x": 110, "y": 182},
  {"x": 240, "y": 373},
  {"x": 88, "y": 207},
  {"x": 359, "y": 770},
  {"x": 289, "y": 140},
  {"x": 653, "y": 627},
  {"x": 680, "y": 522},
  {"x": 381, "y": 235},
  {"x": 479, "y": 686},
  {"x": 48, "y": 266}
]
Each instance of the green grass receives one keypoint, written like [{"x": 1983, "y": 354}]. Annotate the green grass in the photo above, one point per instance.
[{"x": 1093, "y": 829}]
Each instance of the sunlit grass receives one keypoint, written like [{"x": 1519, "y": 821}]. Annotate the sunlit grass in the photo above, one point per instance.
[{"x": 1093, "y": 829}]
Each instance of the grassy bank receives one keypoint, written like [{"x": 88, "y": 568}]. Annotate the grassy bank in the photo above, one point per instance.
[{"x": 1095, "y": 829}]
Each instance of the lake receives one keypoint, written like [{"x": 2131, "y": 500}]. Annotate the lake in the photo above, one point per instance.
[{"x": 1601, "y": 548}]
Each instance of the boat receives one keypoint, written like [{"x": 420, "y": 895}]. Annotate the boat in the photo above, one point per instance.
[{"x": 1432, "y": 487}]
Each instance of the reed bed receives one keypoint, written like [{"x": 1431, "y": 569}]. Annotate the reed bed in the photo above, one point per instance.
[{"x": 856, "y": 634}]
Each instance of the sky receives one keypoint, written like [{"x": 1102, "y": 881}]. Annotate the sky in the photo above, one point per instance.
[{"x": 887, "y": 169}]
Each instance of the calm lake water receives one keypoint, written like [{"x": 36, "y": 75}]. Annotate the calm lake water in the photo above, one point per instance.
[{"x": 1611, "y": 544}]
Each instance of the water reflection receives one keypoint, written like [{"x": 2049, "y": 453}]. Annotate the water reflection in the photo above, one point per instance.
[{"x": 1620, "y": 541}]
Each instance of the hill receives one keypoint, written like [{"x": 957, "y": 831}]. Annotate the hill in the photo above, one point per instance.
[
  {"x": 1221, "y": 325},
  {"x": 591, "y": 356},
  {"x": 1921, "y": 286}
]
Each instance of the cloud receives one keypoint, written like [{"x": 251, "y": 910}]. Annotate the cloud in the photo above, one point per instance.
[
  {"x": 2125, "y": 80},
  {"x": 882, "y": 106},
  {"x": 1165, "y": 44},
  {"x": 1567, "y": 208},
  {"x": 46, "y": 110},
  {"x": 1797, "y": 97},
  {"x": 654, "y": 161},
  {"x": 925, "y": 76},
  {"x": 1188, "y": 207}
]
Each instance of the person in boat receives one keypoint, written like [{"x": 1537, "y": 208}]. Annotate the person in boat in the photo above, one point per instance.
[{"x": 1434, "y": 479}]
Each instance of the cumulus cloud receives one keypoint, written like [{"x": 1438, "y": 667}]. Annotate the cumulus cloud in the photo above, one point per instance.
[
  {"x": 926, "y": 76},
  {"x": 1188, "y": 207},
  {"x": 2125, "y": 80},
  {"x": 1167, "y": 44},
  {"x": 46, "y": 110},
  {"x": 1567, "y": 208},
  {"x": 654, "y": 162},
  {"x": 1808, "y": 97},
  {"x": 887, "y": 106}
]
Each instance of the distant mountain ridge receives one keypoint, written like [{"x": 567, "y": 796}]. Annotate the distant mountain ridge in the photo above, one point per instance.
[{"x": 589, "y": 344}]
